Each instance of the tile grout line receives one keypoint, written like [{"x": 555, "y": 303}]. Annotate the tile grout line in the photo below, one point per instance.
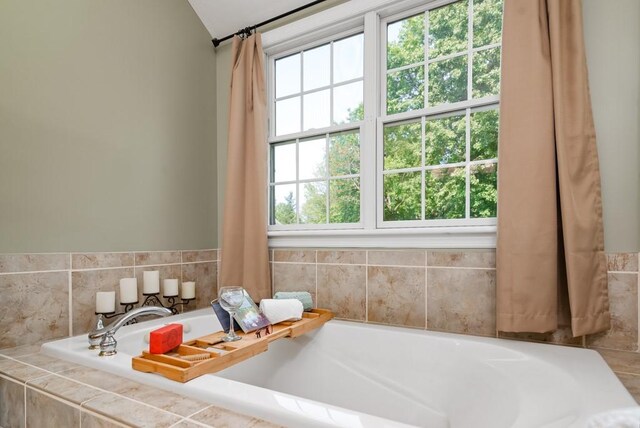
[
  {"x": 426, "y": 288},
  {"x": 394, "y": 266},
  {"x": 70, "y": 277}
]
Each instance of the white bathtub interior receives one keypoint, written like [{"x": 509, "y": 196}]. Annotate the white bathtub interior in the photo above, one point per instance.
[{"x": 350, "y": 374}]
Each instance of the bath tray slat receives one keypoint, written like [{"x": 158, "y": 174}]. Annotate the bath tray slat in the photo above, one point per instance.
[{"x": 222, "y": 355}]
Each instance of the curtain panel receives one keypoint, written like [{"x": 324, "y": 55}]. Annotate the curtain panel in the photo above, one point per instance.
[
  {"x": 245, "y": 251},
  {"x": 550, "y": 245}
]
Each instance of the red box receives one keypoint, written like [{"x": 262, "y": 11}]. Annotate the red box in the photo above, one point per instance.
[{"x": 165, "y": 339}]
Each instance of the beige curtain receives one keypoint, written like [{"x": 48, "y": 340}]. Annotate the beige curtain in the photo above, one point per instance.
[
  {"x": 549, "y": 203},
  {"x": 245, "y": 253}
]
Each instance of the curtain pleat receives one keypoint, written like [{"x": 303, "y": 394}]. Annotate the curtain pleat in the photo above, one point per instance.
[
  {"x": 550, "y": 233},
  {"x": 245, "y": 252}
]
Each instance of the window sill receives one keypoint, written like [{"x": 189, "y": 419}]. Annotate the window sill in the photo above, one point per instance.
[{"x": 434, "y": 237}]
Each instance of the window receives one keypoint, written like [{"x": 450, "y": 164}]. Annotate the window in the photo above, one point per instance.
[{"x": 416, "y": 150}]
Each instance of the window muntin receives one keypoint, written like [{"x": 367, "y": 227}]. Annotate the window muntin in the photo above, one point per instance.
[{"x": 439, "y": 161}]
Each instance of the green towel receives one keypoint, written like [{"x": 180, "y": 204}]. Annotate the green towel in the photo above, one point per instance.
[{"x": 303, "y": 296}]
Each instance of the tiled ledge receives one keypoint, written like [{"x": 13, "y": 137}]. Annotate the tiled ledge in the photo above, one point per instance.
[{"x": 38, "y": 390}]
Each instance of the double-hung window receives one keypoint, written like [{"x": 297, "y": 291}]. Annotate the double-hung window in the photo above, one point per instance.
[{"x": 390, "y": 126}]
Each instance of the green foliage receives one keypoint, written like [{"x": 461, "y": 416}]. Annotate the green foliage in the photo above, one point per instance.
[
  {"x": 285, "y": 212},
  {"x": 484, "y": 135},
  {"x": 409, "y": 47},
  {"x": 448, "y": 29},
  {"x": 487, "y": 22},
  {"x": 444, "y": 193},
  {"x": 486, "y": 73},
  {"x": 445, "y": 140},
  {"x": 402, "y": 196},
  {"x": 402, "y": 146}
]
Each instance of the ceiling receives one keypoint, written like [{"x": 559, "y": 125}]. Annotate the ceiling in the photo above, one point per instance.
[{"x": 224, "y": 17}]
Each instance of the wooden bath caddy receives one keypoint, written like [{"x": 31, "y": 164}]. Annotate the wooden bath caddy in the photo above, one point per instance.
[{"x": 176, "y": 365}]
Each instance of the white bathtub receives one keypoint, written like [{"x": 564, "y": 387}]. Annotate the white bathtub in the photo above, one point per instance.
[{"x": 358, "y": 375}]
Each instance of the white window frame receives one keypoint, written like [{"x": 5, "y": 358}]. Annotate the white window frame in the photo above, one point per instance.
[{"x": 333, "y": 24}]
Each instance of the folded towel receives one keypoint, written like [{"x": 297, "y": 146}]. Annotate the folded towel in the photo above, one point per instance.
[
  {"x": 303, "y": 296},
  {"x": 621, "y": 418},
  {"x": 278, "y": 310}
]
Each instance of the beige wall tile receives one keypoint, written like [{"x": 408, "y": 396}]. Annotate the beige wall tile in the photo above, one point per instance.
[
  {"x": 84, "y": 286},
  {"x": 188, "y": 424},
  {"x": 44, "y": 411},
  {"x": 562, "y": 336},
  {"x": 35, "y": 308},
  {"x": 64, "y": 388},
  {"x": 464, "y": 258},
  {"x": 199, "y": 256},
  {"x": 20, "y": 351},
  {"x": 342, "y": 288},
  {"x": 130, "y": 412},
  {"x": 622, "y": 262},
  {"x": 101, "y": 260},
  {"x": 19, "y": 371},
  {"x": 205, "y": 276},
  {"x": 98, "y": 379},
  {"x": 295, "y": 277},
  {"x": 12, "y": 404},
  {"x": 396, "y": 295},
  {"x": 461, "y": 301},
  {"x": 299, "y": 256},
  {"x": 358, "y": 257},
  {"x": 218, "y": 417},
  {"x": 623, "y": 305},
  {"x": 88, "y": 420},
  {"x": 163, "y": 400},
  {"x": 632, "y": 383},
  {"x": 33, "y": 262},
  {"x": 396, "y": 258},
  {"x": 621, "y": 361},
  {"x": 157, "y": 258},
  {"x": 46, "y": 362}
]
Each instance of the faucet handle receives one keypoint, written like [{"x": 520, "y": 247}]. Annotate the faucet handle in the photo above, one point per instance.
[{"x": 108, "y": 345}]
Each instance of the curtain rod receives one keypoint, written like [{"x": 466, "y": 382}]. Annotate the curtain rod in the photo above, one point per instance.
[{"x": 246, "y": 31}]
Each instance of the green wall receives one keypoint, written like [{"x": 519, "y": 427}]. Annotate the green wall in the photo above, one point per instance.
[
  {"x": 107, "y": 126},
  {"x": 613, "y": 55}
]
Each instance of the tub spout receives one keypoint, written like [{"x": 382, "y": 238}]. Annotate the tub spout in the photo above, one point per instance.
[{"x": 105, "y": 336}]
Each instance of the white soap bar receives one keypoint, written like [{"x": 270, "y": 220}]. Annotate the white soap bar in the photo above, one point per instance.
[{"x": 278, "y": 310}]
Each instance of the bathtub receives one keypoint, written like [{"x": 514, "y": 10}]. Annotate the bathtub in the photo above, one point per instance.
[{"x": 360, "y": 375}]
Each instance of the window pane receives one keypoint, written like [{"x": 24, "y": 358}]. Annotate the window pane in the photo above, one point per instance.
[
  {"x": 448, "y": 29},
  {"x": 316, "y": 110},
  {"x": 347, "y": 103},
  {"x": 402, "y": 196},
  {"x": 487, "y": 22},
  {"x": 284, "y": 162},
  {"x": 344, "y": 200},
  {"x": 348, "y": 58},
  {"x": 316, "y": 67},
  {"x": 445, "y": 193},
  {"x": 288, "y": 116},
  {"x": 405, "y": 90},
  {"x": 284, "y": 204},
  {"x": 288, "y": 76},
  {"x": 405, "y": 42},
  {"x": 486, "y": 73},
  {"x": 484, "y": 190},
  {"x": 344, "y": 154},
  {"x": 448, "y": 81},
  {"x": 484, "y": 135},
  {"x": 445, "y": 140},
  {"x": 313, "y": 202},
  {"x": 402, "y": 146},
  {"x": 312, "y": 158}
]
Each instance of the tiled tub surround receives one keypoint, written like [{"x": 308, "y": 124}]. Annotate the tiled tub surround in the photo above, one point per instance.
[
  {"x": 40, "y": 391},
  {"x": 49, "y": 296}
]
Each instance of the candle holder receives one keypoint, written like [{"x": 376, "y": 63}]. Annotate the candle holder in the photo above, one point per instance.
[{"x": 153, "y": 299}]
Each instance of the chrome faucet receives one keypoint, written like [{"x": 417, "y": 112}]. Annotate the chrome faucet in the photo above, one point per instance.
[{"x": 104, "y": 336}]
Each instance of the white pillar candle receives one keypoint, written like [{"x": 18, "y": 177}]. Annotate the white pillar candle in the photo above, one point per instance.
[
  {"x": 128, "y": 290},
  {"x": 170, "y": 288},
  {"x": 105, "y": 302},
  {"x": 188, "y": 290},
  {"x": 151, "y": 282}
]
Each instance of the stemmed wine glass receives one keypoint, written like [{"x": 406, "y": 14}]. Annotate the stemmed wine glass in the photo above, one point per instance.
[{"x": 230, "y": 299}]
